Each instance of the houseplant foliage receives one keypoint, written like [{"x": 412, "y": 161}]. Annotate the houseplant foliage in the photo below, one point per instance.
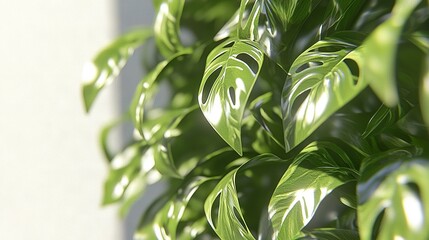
[{"x": 285, "y": 119}]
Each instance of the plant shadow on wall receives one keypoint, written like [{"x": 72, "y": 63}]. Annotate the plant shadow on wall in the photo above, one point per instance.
[{"x": 279, "y": 111}]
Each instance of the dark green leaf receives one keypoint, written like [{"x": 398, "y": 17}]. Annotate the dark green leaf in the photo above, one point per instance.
[
  {"x": 109, "y": 62},
  {"x": 331, "y": 234},
  {"x": 268, "y": 116},
  {"x": 310, "y": 178},
  {"x": 385, "y": 117},
  {"x": 424, "y": 93},
  {"x": 379, "y": 52}
]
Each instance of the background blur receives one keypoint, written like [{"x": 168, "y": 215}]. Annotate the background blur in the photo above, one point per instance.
[{"x": 51, "y": 167}]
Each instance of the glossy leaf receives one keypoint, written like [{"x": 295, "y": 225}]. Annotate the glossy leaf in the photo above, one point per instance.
[
  {"x": 124, "y": 167},
  {"x": 144, "y": 91},
  {"x": 385, "y": 117},
  {"x": 109, "y": 62},
  {"x": 228, "y": 221},
  {"x": 397, "y": 205},
  {"x": 268, "y": 116},
  {"x": 379, "y": 52},
  {"x": 167, "y": 26},
  {"x": 314, "y": 173},
  {"x": 157, "y": 130},
  {"x": 323, "y": 79},
  {"x": 167, "y": 220},
  {"x": 235, "y": 69}
]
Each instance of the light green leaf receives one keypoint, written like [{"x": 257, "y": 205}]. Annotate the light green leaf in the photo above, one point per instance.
[
  {"x": 123, "y": 168},
  {"x": 228, "y": 221},
  {"x": 379, "y": 52},
  {"x": 399, "y": 198},
  {"x": 158, "y": 131},
  {"x": 104, "y": 136},
  {"x": 167, "y": 26},
  {"x": 248, "y": 27},
  {"x": 143, "y": 93},
  {"x": 108, "y": 63},
  {"x": 168, "y": 218},
  {"x": 323, "y": 79},
  {"x": 231, "y": 71},
  {"x": 315, "y": 172}
]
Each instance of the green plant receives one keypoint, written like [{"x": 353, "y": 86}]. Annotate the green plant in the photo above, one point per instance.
[{"x": 286, "y": 119}]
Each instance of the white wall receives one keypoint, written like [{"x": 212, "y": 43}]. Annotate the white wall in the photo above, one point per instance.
[{"x": 51, "y": 168}]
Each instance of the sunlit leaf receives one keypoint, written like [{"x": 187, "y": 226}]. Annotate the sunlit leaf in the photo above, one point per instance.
[
  {"x": 323, "y": 79},
  {"x": 167, "y": 220},
  {"x": 234, "y": 69},
  {"x": 319, "y": 169},
  {"x": 108, "y": 63},
  {"x": 379, "y": 52},
  {"x": 227, "y": 220},
  {"x": 157, "y": 131},
  {"x": 396, "y": 207},
  {"x": 130, "y": 172},
  {"x": 167, "y": 26},
  {"x": 144, "y": 91}
]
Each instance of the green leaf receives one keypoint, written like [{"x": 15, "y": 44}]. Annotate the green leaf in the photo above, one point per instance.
[
  {"x": 323, "y": 79},
  {"x": 108, "y": 63},
  {"x": 167, "y": 26},
  {"x": 157, "y": 130},
  {"x": 168, "y": 218},
  {"x": 385, "y": 117},
  {"x": 268, "y": 116},
  {"x": 379, "y": 52},
  {"x": 144, "y": 91},
  {"x": 228, "y": 221},
  {"x": 331, "y": 234},
  {"x": 315, "y": 172},
  {"x": 396, "y": 207},
  {"x": 424, "y": 93},
  {"x": 234, "y": 69},
  {"x": 104, "y": 136}
]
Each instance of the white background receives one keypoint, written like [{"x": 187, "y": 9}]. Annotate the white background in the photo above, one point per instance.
[{"x": 51, "y": 167}]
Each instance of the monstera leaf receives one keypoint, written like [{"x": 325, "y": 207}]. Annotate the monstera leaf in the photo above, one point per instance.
[
  {"x": 394, "y": 196},
  {"x": 314, "y": 173},
  {"x": 379, "y": 51},
  {"x": 144, "y": 91},
  {"x": 228, "y": 221},
  {"x": 167, "y": 25},
  {"x": 234, "y": 65},
  {"x": 323, "y": 79},
  {"x": 108, "y": 63},
  {"x": 167, "y": 220},
  {"x": 230, "y": 73}
]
